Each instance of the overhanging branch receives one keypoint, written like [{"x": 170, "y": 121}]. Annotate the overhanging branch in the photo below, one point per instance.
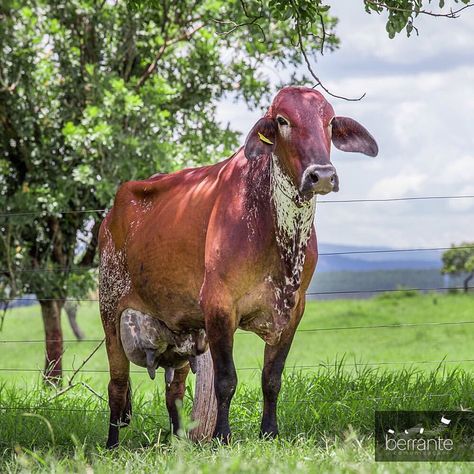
[
  {"x": 451, "y": 14},
  {"x": 236, "y": 26},
  {"x": 310, "y": 68},
  {"x": 186, "y": 36}
]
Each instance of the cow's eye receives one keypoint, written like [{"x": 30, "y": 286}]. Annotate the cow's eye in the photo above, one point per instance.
[{"x": 282, "y": 121}]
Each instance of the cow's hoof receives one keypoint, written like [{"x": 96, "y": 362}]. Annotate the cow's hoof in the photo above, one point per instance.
[
  {"x": 268, "y": 433},
  {"x": 111, "y": 445},
  {"x": 125, "y": 419},
  {"x": 223, "y": 436},
  {"x": 126, "y": 414}
]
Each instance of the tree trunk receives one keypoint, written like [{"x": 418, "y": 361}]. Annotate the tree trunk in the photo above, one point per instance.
[
  {"x": 51, "y": 312},
  {"x": 71, "y": 310},
  {"x": 466, "y": 282},
  {"x": 205, "y": 404}
]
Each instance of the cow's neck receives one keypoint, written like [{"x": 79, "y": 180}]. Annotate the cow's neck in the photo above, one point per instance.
[{"x": 293, "y": 221}]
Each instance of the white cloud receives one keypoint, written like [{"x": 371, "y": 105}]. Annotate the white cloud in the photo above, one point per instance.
[
  {"x": 364, "y": 37},
  {"x": 407, "y": 182},
  {"x": 464, "y": 206},
  {"x": 406, "y": 116},
  {"x": 420, "y": 108},
  {"x": 460, "y": 170}
]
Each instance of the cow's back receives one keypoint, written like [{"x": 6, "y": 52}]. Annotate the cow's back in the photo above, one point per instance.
[{"x": 157, "y": 230}]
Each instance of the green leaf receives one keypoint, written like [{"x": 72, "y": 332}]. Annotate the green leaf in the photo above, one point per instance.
[
  {"x": 92, "y": 111},
  {"x": 54, "y": 26},
  {"x": 26, "y": 13},
  {"x": 69, "y": 129}
]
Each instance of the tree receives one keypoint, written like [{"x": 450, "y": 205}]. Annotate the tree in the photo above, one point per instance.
[
  {"x": 96, "y": 92},
  {"x": 459, "y": 260}
]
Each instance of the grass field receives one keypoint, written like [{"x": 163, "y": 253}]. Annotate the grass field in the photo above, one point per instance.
[{"x": 326, "y": 410}]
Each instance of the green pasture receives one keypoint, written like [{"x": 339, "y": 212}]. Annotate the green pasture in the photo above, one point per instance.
[
  {"x": 326, "y": 406},
  {"x": 393, "y": 347}
]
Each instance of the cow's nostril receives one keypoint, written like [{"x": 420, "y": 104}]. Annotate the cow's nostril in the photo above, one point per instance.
[
  {"x": 314, "y": 177},
  {"x": 332, "y": 179}
]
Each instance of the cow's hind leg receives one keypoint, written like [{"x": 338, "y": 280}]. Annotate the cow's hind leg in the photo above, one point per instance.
[
  {"x": 174, "y": 393},
  {"x": 120, "y": 402},
  {"x": 127, "y": 412}
]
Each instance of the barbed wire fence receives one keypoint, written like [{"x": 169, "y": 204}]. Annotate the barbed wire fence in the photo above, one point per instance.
[{"x": 43, "y": 213}]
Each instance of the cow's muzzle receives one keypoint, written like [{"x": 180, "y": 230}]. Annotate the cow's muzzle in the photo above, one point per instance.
[{"x": 319, "y": 179}]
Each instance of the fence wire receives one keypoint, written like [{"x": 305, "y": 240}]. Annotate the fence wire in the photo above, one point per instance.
[
  {"x": 246, "y": 333},
  {"x": 84, "y": 268},
  {"x": 312, "y": 293},
  {"x": 248, "y": 402},
  {"x": 291, "y": 368},
  {"x": 46, "y": 212}
]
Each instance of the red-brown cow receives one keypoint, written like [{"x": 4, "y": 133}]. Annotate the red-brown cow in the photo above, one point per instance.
[{"x": 189, "y": 257}]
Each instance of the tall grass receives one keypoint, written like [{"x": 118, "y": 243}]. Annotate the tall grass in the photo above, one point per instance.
[
  {"x": 326, "y": 420},
  {"x": 326, "y": 414}
]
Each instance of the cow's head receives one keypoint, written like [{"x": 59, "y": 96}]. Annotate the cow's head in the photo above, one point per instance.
[{"x": 298, "y": 129}]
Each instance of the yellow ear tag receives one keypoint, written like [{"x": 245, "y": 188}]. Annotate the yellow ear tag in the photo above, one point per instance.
[{"x": 264, "y": 139}]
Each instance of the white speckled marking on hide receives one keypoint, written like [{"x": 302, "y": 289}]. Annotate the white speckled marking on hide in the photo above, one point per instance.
[
  {"x": 294, "y": 222},
  {"x": 114, "y": 280},
  {"x": 252, "y": 194},
  {"x": 294, "y": 216}
]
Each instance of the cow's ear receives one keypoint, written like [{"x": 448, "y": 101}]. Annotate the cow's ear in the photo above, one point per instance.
[
  {"x": 349, "y": 135},
  {"x": 261, "y": 139}
]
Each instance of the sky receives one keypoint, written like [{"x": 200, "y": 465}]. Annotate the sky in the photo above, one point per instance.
[{"x": 419, "y": 106}]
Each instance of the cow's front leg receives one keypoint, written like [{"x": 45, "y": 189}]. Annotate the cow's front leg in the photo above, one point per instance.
[
  {"x": 220, "y": 328},
  {"x": 175, "y": 392},
  {"x": 274, "y": 363}
]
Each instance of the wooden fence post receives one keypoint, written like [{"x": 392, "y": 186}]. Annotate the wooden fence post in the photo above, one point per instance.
[{"x": 205, "y": 404}]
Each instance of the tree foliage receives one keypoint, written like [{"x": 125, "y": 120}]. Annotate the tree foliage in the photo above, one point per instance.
[
  {"x": 402, "y": 14},
  {"x": 459, "y": 260},
  {"x": 96, "y": 92}
]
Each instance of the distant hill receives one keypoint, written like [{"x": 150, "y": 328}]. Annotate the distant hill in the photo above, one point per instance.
[
  {"x": 357, "y": 268},
  {"x": 364, "y": 271},
  {"x": 386, "y": 260}
]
